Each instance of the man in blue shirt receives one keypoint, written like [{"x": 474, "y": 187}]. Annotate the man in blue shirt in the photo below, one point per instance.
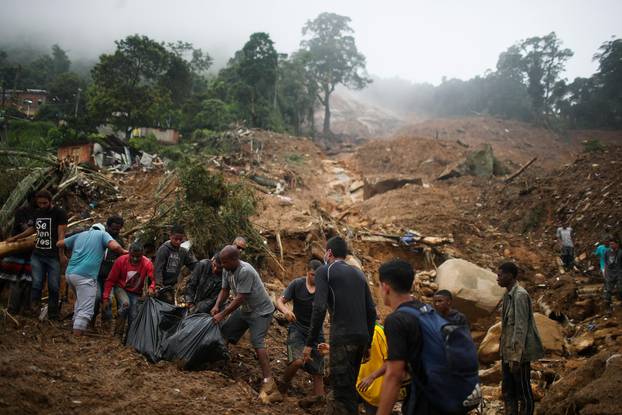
[
  {"x": 601, "y": 252},
  {"x": 87, "y": 252}
]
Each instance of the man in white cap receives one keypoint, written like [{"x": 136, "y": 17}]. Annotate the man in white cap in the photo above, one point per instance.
[{"x": 87, "y": 252}]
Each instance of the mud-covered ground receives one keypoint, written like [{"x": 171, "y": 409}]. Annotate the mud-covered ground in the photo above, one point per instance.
[{"x": 46, "y": 370}]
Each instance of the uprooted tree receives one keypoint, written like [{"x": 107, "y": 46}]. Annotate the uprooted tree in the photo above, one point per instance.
[{"x": 334, "y": 58}]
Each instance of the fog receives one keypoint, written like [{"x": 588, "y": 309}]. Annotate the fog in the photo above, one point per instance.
[{"x": 420, "y": 41}]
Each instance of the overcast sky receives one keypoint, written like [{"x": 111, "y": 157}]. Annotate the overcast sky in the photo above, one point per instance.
[{"x": 419, "y": 40}]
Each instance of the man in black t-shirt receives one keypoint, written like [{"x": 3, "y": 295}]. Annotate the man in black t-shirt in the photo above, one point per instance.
[
  {"x": 404, "y": 340},
  {"x": 342, "y": 290},
  {"x": 301, "y": 292},
  {"x": 49, "y": 223}
]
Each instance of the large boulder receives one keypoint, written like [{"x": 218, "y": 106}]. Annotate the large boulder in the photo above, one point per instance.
[
  {"x": 475, "y": 289},
  {"x": 480, "y": 163},
  {"x": 550, "y": 332},
  {"x": 382, "y": 184}
]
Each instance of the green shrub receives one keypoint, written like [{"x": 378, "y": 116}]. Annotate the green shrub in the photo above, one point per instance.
[{"x": 593, "y": 146}]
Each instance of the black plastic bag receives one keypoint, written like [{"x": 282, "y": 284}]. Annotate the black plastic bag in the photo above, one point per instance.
[
  {"x": 169, "y": 320},
  {"x": 196, "y": 342},
  {"x": 145, "y": 333}
]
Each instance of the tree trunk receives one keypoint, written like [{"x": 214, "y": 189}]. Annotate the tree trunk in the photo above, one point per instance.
[{"x": 326, "y": 130}]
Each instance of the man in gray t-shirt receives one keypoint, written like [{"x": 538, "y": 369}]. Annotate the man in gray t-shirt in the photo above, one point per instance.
[
  {"x": 564, "y": 237},
  {"x": 251, "y": 309}
]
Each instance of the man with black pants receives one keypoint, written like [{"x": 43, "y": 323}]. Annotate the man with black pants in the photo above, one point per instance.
[
  {"x": 519, "y": 343},
  {"x": 114, "y": 224},
  {"x": 343, "y": 290}
]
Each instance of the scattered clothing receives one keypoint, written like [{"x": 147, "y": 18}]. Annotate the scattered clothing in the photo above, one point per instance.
[
  {"x": 85, "y": 289},
  {"x": 519, "y": 344},
  {"x": 203, "y": 287},
  {"x": 46, "y": 223}
]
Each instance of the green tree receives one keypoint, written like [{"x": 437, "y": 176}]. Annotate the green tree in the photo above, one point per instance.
[
  {"x": 297, "y": 92},
  {"x": 138, "y": 84},
  {"x": 254, "y": 79},
  {"x": 334, "y": 58},
  {"x": 542, "y": 61}
]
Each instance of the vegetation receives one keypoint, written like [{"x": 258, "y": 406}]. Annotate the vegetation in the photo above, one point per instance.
[
  {"x": 145, "y": 83},
  {"x": 215, "y": 212}
]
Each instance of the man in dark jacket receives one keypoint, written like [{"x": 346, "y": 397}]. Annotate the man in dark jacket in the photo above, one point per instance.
[
  {"x": 343, "y": 291},
  {"x": 519, "y": 343},
  {"x": 170, "y": 258},
  {"x": 204, "y": 285}
]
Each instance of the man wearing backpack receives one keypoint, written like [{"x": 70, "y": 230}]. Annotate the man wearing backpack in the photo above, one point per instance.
[
  {"x": 343, "y": 290},
  {"x": 519, "y": 343},
  {"x": 436, "y": 388}
]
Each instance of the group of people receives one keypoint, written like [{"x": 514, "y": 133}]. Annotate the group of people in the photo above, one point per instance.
[
  {"x": 375, "y": 363},
  {"x": 609, "y": 256},
  {"x": 610, "y": 262}
]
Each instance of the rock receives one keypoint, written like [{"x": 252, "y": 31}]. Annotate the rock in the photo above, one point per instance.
[
  {"x": 475, "y": 289},
  {"x": 550, "y": 333},
  {"x": 379, "y": 185},
  {"x": 488, "y": 351},
  {"x": 356, "y": 185},
  {"x": 582, "y": 343},
  {"x": 492, "y": 375},
  {"x": 491, "y": 393},
  {"x": 427, "y": 291},
  {"x": 354, "y": 262},
  {"x": 480, "y": 163}
]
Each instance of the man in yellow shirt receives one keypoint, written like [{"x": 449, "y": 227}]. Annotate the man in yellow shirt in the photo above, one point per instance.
[{"x": 371, "y": 373}]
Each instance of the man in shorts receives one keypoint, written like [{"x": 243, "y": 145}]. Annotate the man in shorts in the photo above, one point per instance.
[
  {"x": 301, "y": 292},
  {"x": 251, "y": 309}
]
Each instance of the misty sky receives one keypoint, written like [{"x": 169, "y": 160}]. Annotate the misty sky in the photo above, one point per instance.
[{"x": 413, "y": 39}]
